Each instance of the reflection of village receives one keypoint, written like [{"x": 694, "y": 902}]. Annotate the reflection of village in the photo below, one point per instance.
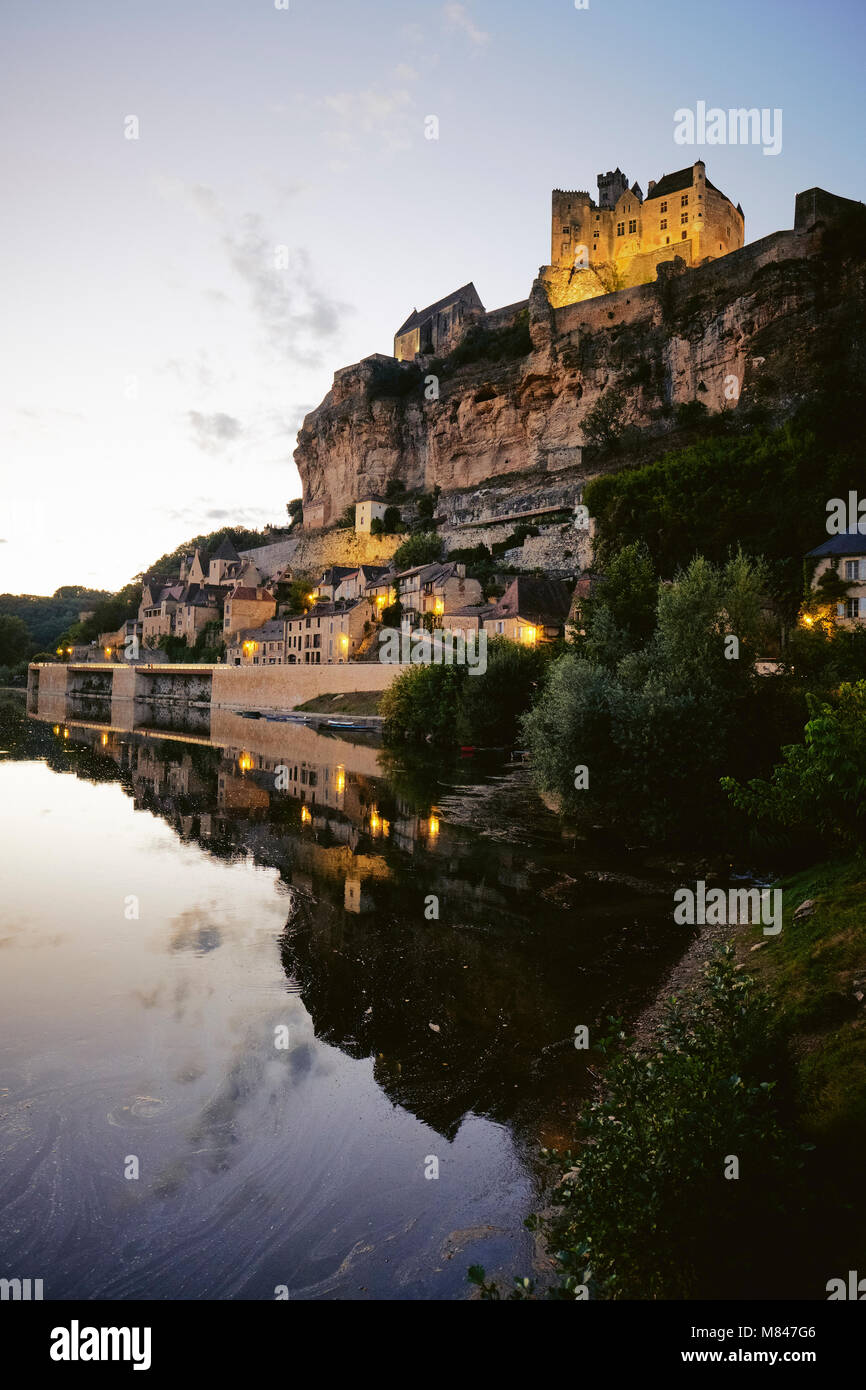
[{"x": 456, "y": 1009}]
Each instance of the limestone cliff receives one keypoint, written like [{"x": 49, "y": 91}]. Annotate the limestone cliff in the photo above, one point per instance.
[{"x": 753, "y": 326}]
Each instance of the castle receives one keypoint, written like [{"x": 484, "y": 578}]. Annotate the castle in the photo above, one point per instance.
[
  {"x": 596, "y": 248},
  {"x": 621, "y": 240}
]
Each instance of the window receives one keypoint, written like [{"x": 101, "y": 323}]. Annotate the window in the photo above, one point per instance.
[
  {"x": 664, "y": 224},
  {"x": 595, "y": 236},
  {"x": 564, "y": 249},
  {"x": 620, "y": 229},
  {"x": 684, "y": 217},
  {"x": 632, "y": 226},
  {"x": 685, "y": 236},
  {"x": 684, "y": 200},
  {"x": 664, "y": 207},
  {"x": 854, "y": 569},
  {"x": 850, "y": 608},
  {"x": 667, "y": 241}
]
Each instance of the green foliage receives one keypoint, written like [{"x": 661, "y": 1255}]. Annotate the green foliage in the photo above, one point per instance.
[
  {"x": 16, "y": 642},
  {"x": 392, "y": 616},
  {"x": 391, "y": 521},
  {"x": 395, "y": 487},
  {"x": 765, "y": 491},
  {"x": 691, "y": 413},
  {"x": 619, "y": 615},
  {"x": 482, "y": 344},
  {"x": 491, "y": 704},
  {"x": 295, "y": 509},
  {"x": 422, "y": 548},
  {"x": 293, "y": 595},
  {"x": 427, "y": 504},
  {"x": 604, "y": 423},
  {"x": 658, "y": 724},
  {"x": 482, "y": 709},
  {"x": 377, "y": 526},
  {"x": 347, "y": 521},
  {"x": 241, "y": 538},
  {"x": 646, "y": 1211},
  {"x": 820, "y": 786},
  {"x": 48, "y": 618},
  {"x": 422, "y": 703}
]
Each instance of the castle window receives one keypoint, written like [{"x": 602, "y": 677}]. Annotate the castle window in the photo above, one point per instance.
[
  {"x": 684, "y": 200},
  {"x": 664, "y": 207},
  {"x": 620, "y": 229},
  {"x": 595, "y": 236},
  {"x": 667, "y": 241},
  {"x": 664, "y": 224},
  {"x": 565, "y": 248},
  {"x": 685, "y": 234},
  {"x": 632, "y": 226},
  {"x": 684, "y": 217},
  {"x": 597, "y": 218},
  {"x": 728, "y": 233}
]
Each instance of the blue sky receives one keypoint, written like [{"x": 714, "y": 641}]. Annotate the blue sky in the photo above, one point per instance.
[{"x": 156, "y": 362}]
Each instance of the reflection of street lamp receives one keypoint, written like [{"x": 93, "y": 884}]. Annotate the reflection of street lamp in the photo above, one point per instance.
[
  {"x": 344, "y": 642},
  {"x": 306, "y": 818},
  {"x": 245, "y": 762},
  {"x": 433, "y": 825},
  {"x": 340, "y": 779}
]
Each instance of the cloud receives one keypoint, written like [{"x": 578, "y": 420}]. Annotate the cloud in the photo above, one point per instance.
[
  {"x": 374, "y": 113},
  {"x": 458, "y": 17},
  {"x": 295, "y": 313},
  {"x": 213, "y": 432}
]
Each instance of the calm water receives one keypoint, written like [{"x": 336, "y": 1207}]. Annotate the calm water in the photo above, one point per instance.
[{"x": 166, "y": 910}]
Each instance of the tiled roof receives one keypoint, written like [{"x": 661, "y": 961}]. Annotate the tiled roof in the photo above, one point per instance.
[
  {"x": 225, "y": 551},
  {"x": 243, "y": 591},
  {"x": 541, "y": 599}
]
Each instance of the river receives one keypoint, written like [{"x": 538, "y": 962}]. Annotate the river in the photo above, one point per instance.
[{"x": 284, "y": 1014}]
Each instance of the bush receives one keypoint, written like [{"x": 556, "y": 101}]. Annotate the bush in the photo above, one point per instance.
[
  {"x": 604, "y": 422},
  {"x": 392, "y": 520},
  {"x": 646, "y": 1210}
]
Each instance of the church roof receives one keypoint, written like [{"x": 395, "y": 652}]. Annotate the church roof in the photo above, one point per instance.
[{"x": 418, "y": 316}]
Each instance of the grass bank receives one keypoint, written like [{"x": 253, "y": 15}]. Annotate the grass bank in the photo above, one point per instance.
[{"x": 352, "y": 702}]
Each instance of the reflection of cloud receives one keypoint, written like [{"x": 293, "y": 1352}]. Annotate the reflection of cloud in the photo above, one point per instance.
[
  {"x": 458, "y": 17},
  {"x": 194, "y": 931}
]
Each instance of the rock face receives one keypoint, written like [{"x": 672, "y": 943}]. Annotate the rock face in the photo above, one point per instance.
[{"x": 748, "y": 327}]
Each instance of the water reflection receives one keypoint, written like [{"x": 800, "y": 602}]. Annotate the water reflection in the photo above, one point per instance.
[{"x": 425, "y": 934}]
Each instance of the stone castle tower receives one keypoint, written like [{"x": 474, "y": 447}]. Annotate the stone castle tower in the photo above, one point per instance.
[{"x": 621, "y": 240}]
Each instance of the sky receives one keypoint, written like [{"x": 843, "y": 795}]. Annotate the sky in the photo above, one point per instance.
[{"x": 210, "y": 206}]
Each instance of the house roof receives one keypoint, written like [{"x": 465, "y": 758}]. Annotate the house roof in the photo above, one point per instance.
[
  {"x": 541, "y": 599},
  {"x": 676, "y": 182},
  {"x": 245, "y": 592},
  {"x": 472, "y": 610},
  {"x": 419, "y": 316},
  {"x": 849, "y": 543},
  {"x": 225, "y": 551},
  {"x": 337, "y": 572}
]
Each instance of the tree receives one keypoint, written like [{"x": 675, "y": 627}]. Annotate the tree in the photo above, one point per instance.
[
  {"x": 391, "y": 521},
  {"x": 491, "y": 704},
  {"x": 421, "y": 549},
  {"x": 15, "y": 640},
  {"x": 619, "y": 615},
  {"x": 604, "y": 422}
]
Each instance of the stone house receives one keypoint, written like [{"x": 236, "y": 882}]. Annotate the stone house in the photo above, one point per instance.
[
  {"x": 247, "y": 607},
  {"x": 434, "y": 331},
  {"x": 846, "y": 555},
  {"x": 159, "y": 603},
  {"x": 531, "y": 610},
  {"x": 199, "y": 605},
  {"x": 354, "y": 585},
  {"x": 437, "y": 588},
  {"x": 258, "y": 646},
  {"x": 331, "y": 580},
  {"x": 329, "y": 634}
]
